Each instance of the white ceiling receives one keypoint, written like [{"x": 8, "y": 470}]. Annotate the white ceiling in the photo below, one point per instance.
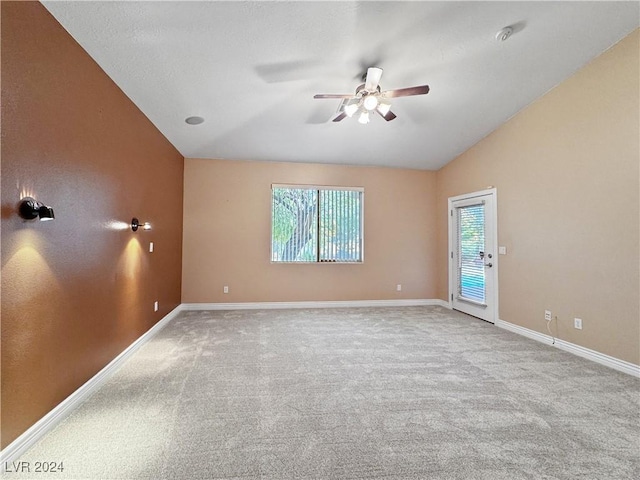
[{"x": 251, "y": 70}]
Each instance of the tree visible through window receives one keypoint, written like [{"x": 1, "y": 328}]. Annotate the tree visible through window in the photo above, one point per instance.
[{"x": 316, "y": 224}]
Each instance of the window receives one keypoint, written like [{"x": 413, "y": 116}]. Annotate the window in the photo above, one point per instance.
[
  {"x": 471, "y": 276},
  {"x": 316, "y": 224}
]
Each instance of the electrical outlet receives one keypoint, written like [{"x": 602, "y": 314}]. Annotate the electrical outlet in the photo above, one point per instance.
[
  {"x": 577, "y": 323},
  {"x": 155, "y": 306},
  {"x": 398, "y": 287},
  {"x": 547, "y": 315},
  {"x": 225, "y": 289}
]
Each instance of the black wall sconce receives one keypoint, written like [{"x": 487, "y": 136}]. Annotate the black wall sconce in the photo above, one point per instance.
[
  {"x": 135, "y": 224},
  {"x": 30, "y": 209}
]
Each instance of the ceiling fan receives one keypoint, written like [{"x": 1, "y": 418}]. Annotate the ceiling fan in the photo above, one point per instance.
[{"x": 369, "y": 98}]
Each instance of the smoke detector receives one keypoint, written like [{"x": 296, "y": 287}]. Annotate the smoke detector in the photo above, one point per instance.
[{"x": 503, "y": 34}]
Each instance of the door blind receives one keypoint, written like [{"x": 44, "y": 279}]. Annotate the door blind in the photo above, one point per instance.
[{"x": 471, "y": 274}]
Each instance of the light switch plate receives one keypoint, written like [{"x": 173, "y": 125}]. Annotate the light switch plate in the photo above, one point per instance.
[{"x": 502, "y": 250}]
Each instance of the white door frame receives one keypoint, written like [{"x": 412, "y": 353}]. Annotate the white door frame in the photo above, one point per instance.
[{"x": 491, "y": 271}]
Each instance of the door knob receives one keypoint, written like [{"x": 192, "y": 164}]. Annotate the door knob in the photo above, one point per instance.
[{"x": 488, "y": 264}]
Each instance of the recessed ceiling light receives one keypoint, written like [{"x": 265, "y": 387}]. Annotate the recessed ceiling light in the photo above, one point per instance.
[{"x": 194, "y": 120}]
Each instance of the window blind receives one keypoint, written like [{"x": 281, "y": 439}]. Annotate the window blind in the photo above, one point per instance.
[
  {"x": 316, "y": 224},
  {"x": 471, "y": 274}
]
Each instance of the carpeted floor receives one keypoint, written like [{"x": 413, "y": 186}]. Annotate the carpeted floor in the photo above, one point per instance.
[{"x": 395, "y": 393}]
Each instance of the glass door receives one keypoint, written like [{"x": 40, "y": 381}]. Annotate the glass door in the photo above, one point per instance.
[{"x": 473, "y": 259}]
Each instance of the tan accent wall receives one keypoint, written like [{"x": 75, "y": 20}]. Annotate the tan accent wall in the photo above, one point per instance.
[
  {"x": 78, "y": 290},
  {"x": 567, "y": 174},
  {"x": 227, "y": 234}
]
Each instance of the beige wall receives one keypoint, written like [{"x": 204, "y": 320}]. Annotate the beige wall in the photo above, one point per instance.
[
  {"x": 227, "y": 228},
  {"x": 567, "y": 174},
  {"x": 76, "y": 291}
]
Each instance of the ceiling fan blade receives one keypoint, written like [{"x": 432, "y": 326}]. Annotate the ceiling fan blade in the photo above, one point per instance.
[
  {"x": 374, "y": 74},
  {"x": 387, "y": 116},
  {"x": 341, "y": 116},
  {"x": 333, "y": 95},
  {"x": 405, "y": 92}
]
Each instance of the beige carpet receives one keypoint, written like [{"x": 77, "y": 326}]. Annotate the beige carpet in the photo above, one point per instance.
[{"x": 395, "y": 393}]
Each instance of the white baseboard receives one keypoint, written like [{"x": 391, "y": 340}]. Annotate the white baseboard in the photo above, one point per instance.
[
  {"x": 601, "y": 358},
  {"x": 25, "y": 441},
  {"x": 318, "y": 304}
]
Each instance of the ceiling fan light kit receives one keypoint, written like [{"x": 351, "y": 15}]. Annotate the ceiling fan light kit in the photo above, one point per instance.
[
  {"x": 383, "y": 108},
  {"x": 370, "y": 102},
  {"x": 352, "y": 107},
  {"x": 369, "y": 98}
]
